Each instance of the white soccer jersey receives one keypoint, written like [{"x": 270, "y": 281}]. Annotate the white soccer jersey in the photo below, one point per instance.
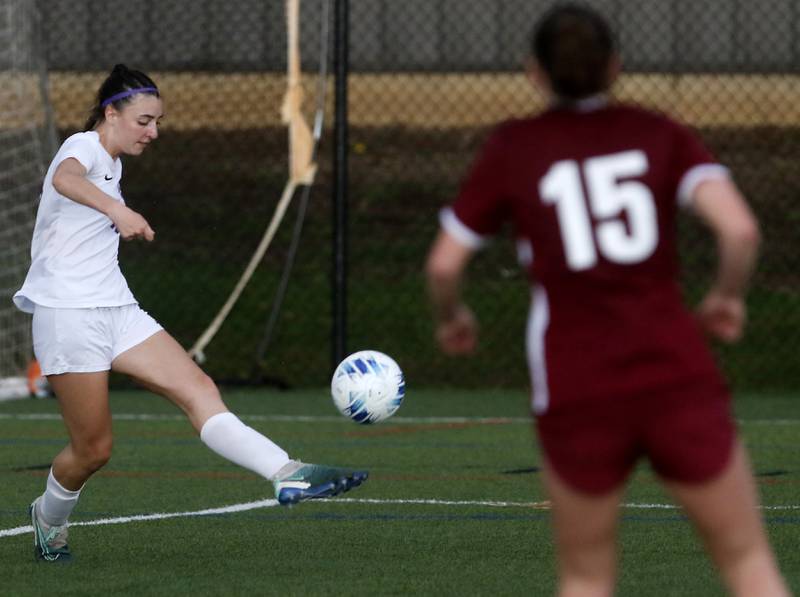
[{"x": 75, "y": 247}]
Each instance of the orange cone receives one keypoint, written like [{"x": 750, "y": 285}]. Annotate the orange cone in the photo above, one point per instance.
[{"x": 37, "y": 383}]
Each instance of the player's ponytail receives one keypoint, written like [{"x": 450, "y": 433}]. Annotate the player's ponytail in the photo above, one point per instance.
[
  {"x": 574, "y": 45},
  {"x": 119, "y": 88}
]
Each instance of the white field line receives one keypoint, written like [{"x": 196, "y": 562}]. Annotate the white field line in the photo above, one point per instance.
[
  {"x": 340, "y": 419},
  {"x": 495, "y": 504},
  {"x": 158, "y": 516},
  {"x": 344, "y": 501}
]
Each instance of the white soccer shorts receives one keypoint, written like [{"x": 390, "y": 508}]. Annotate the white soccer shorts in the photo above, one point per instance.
[{"x": 87, "y": 340}]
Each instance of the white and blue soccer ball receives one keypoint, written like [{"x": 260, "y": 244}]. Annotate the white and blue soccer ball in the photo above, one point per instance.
[{"x": 368, "y": 387}]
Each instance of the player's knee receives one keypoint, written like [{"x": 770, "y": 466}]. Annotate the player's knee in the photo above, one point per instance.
[
  {"x": 185, "y": 389},
  {"x": 588, "y": 574},
  {"x": 597, "y": 536},
  {"x": 201, "y": 387},
  {"x": 589, "y": 557},
  {"x": 197, "y": 393},
  {"x": 584, "y": 587},
  {"x": 94, "y": 454},
  {"x": 731, "y": 546}
]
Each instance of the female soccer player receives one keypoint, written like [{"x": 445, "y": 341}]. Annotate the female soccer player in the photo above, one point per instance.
[
  {"x": 620, "y": 369},
  {"x": 86, "y": 321}
]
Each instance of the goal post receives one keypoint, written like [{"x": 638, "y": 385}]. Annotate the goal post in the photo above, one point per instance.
[{"x": 27, "y": 138}]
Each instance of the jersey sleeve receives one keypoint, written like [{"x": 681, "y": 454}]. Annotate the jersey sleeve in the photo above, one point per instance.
[
  {"x": 79, "y": 148},
  {"x": 479, "y": 211},
  {"x": 693, "y": 164}
]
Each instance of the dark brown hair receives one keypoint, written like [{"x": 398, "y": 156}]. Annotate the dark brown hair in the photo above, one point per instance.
[
  {"x": 574, "y": 45},
  {"x": 120, "y": 80}
]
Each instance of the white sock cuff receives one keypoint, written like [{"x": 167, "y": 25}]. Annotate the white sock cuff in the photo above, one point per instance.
[
  {"x": 229, "y": 437},
  {"x": 215, "y": 421},
  {"x": 59, "y": 490},
  {"x": 57, "y": 502}
]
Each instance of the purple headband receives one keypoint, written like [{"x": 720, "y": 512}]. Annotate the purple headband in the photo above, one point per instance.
[{"x": 127, "y": 93}]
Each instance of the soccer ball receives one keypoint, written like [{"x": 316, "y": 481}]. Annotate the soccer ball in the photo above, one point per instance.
[{"x": 368, "y": 386}]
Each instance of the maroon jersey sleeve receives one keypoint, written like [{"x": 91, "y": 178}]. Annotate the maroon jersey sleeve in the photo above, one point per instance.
[
  {"x": 691, "y": 163},
  {"x": 480, "y": 209}
]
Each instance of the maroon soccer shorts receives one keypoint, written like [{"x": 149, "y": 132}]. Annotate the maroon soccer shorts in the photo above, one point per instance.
[{"x": 686, "y": 434}]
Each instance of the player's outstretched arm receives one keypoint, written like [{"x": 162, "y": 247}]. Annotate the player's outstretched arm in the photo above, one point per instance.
[
  {"x": 722, "y": 207},
  {"x": 456, "y": 327},
  {"x": 70, "y": 180}
]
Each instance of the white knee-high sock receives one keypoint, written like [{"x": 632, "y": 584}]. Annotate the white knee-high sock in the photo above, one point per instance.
[
  {"x": 226, "y": 435},
  {"x": 57, "y": 502}
]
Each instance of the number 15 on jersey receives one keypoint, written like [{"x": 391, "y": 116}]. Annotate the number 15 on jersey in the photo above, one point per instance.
[{"x": 592, "y": 222}]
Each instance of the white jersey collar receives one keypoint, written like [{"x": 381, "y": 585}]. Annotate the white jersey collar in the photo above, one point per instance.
[{"x": 585, "y": 104}]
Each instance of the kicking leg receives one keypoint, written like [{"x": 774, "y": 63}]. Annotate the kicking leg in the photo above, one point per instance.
[
  {"x": 725, "y": 512},
  {"x": 163, "y": 366}
]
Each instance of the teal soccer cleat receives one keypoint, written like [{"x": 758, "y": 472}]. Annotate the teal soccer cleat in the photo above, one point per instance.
[
  {"x": 297, "y": 482},
  {"x": 49, "y": 543}
]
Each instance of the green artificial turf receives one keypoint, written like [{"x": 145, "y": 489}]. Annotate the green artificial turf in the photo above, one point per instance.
[{"x": 449, "y": 508}]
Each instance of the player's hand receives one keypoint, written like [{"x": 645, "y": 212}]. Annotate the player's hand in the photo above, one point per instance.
[
  {"x": 130, "y": 224},
  {"x": 722, "y": 316},
  {"x": 459, "y": 334}
]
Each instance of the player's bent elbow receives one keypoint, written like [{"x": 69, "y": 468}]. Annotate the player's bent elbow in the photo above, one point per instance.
[
  {"x": 746, "y": 233},
  {"x": 447, "y": 258},
  {"x": 60, "y": 181},
  {"x": 440, "y": 270},
  {"x": 444, "y": 263}
]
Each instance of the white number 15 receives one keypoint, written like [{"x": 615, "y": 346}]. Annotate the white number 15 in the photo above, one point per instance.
[{"x": 608, "y": 198}]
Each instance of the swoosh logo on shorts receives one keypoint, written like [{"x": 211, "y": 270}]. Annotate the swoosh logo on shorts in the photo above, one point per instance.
[{"x": 108, "y": 177}]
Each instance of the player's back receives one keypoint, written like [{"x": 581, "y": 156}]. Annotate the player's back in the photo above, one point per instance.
[{"x": 593, "y": 196}]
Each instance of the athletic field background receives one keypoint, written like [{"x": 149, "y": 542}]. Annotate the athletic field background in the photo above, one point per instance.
[
  {"x": 453, "y": 505},
  {"x": 210, "y": 183},
  {"x": 428, "y": 81}
]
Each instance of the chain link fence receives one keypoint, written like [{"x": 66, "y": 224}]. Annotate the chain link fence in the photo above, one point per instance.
[
  {"x": 26, "y": 137},
  {"x": 429, "y": 77}
]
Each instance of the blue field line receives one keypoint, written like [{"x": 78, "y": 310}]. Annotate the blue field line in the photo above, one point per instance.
[
  {"x": 297, "y": 444},
  {"x": 59, "y": 441},
  {"x": 280, "y": 418},
  {"x": 399, "y": 420}
]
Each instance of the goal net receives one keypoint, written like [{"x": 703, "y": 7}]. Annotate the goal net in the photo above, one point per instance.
[{"x": 26, "y": 143}]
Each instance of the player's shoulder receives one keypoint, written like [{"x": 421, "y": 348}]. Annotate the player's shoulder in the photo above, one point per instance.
[
  {"x": 560, "y": 125},
  {"x": 82, "y": 146},
  {"x": 83, "y": 137},
  {"x": 498, "y": 137},
  {"x": 87, "y": 139},
  {"x": 557, "y": 115},
  {"x": 521, "y": 124},
  {"x": 645, "y": 116},
  {"x": 506, "y": 128},
  {"x": 510, "y": 132}
]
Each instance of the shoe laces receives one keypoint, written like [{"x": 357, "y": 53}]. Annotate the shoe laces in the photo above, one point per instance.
[{"x": 56, "y": 537}]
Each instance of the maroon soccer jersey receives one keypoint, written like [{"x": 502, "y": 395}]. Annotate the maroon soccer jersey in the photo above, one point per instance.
[{"x": 592, "y": 195}]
